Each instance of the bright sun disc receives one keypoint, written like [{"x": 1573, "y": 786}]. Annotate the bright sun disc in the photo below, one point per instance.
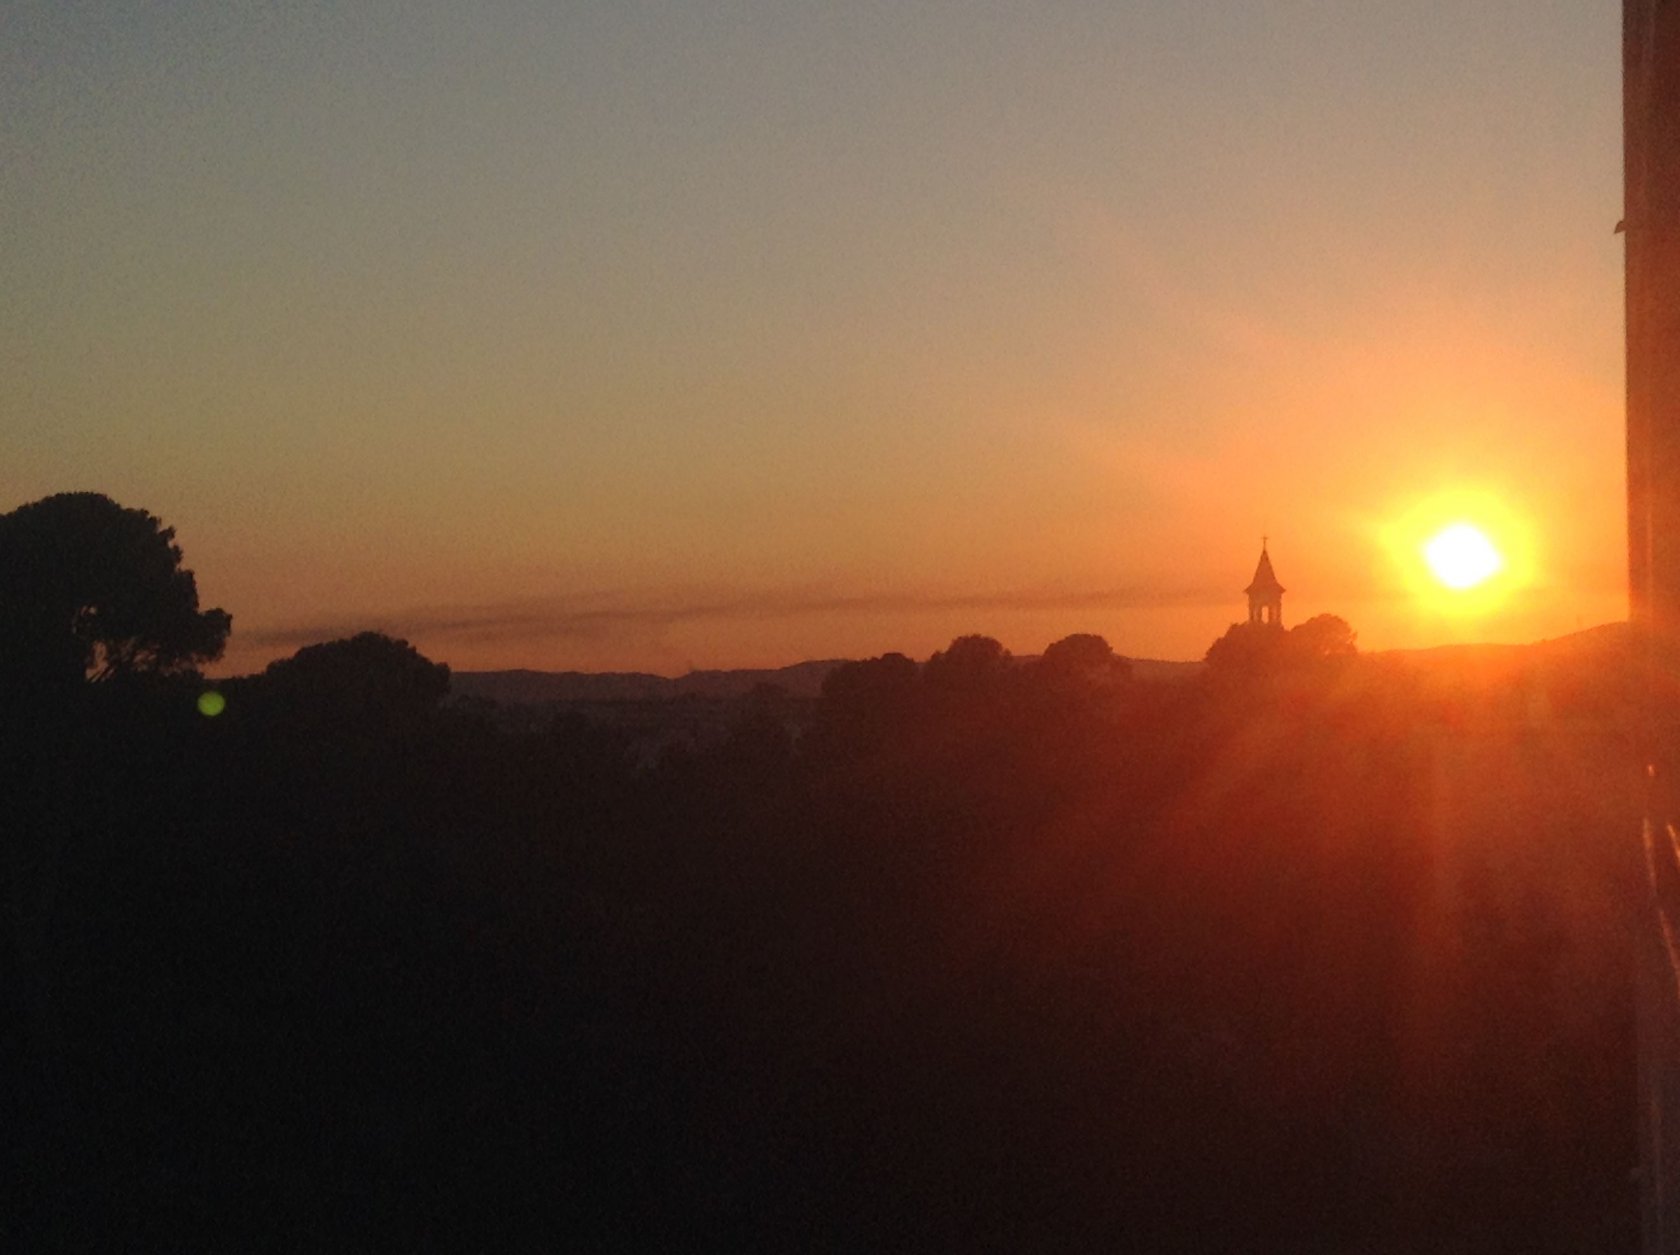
[{"x": 1461, "y": 556}]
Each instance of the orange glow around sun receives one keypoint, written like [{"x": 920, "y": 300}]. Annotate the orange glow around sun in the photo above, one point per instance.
[{"x": 1461, "y": 554}]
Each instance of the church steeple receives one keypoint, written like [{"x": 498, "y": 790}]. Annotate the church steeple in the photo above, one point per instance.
[{"x": 1265, "y": 594}]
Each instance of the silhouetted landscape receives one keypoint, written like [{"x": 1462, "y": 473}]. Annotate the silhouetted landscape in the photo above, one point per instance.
[
  {"x": 1298, "y": 950},
  {"x": 705, "y": 697}
]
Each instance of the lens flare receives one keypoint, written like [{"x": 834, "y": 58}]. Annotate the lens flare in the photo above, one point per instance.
[{"x": 211, "y": 703}]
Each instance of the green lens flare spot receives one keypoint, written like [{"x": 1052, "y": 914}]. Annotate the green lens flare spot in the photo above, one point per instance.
[{"x": 211, "y": 703}]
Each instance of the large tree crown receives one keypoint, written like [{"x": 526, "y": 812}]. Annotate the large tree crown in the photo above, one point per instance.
[{"x": 90, "y": 589}]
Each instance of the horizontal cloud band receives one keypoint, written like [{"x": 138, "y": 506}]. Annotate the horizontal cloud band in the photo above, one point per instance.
[{"x": 562, "y": 619}]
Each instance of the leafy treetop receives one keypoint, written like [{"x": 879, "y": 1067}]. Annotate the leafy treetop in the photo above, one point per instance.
[{"x": 91, "y": 590}]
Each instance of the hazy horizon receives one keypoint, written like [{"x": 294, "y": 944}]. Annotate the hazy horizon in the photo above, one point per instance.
[
  {"x": 648, "y": 337},
  {"x": 284, "y": 643}
]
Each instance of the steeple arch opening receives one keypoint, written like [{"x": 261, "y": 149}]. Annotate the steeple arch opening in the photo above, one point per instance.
[{"x": 1265, "y": 594}]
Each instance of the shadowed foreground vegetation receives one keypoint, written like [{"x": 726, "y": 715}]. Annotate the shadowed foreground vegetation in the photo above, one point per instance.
[
  {"x": 993, "y": 956},
  {"x": 1315, "y": 953}
]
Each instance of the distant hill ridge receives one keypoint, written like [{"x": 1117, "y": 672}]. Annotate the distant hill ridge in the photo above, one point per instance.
[
  {"x": 1604, "y": 643},
  {"x": 804, "y": 679}
]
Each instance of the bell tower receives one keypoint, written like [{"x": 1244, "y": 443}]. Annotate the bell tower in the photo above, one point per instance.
[{"x": 1265, "y": 594}]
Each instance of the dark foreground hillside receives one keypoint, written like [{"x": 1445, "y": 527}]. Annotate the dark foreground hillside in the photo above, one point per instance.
[{"x": 989, "y": 958}]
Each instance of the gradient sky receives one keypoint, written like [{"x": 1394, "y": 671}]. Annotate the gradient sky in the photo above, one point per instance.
[{"x": 631, "y": 335}]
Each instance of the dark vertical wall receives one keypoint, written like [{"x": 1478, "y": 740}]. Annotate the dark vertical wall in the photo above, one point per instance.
[
  {"x": 1651, "y": 155},
  {"x": 1651, "y": 215}
]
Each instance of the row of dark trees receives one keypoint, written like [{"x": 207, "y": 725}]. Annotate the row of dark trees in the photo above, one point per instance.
[{"x": 991, "y": 957}]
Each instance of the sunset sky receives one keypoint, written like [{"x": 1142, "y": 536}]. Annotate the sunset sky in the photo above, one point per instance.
[{"x": 647, "y": 336}]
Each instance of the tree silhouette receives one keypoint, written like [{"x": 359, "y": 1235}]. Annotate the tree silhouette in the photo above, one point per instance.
[
  {"x": 866, "y": 703},
  {"x": 970, "y": 664},
  {"x": 873, "y": 682},
  {"x": 1249, "y": 649},
  {"x": 91, "y": 590},
  {"x": 1324, "y": 637},
  {"x": 1083, "y": 660},
  {"x": 369, "y": 680}
]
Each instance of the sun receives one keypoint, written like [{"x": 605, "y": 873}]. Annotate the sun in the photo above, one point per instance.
[{"x": 1461, "y": 556}]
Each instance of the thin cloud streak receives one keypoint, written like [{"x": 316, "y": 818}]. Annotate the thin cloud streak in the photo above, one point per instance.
[{"x": 558, "y": 620}]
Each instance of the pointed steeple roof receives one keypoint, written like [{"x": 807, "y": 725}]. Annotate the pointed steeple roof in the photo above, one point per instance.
[{"x": 1265, "y": 579}]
